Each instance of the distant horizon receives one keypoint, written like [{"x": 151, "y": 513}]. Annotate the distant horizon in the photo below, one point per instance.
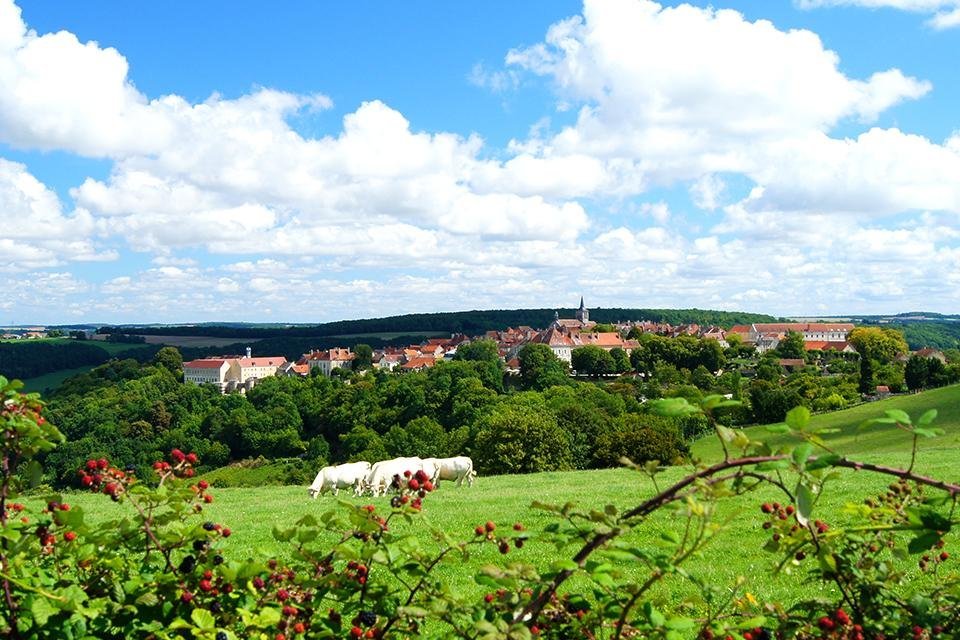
[{"x": 317, "y": 160}]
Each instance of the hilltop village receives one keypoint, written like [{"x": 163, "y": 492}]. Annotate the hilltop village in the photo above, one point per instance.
[{"x": 562, "y": 336}]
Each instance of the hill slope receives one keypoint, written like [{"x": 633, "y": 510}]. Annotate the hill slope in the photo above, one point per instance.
[{"x": 880, "y": 440}]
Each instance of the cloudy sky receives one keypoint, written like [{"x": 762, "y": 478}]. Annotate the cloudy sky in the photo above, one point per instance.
[{"x": 304, "y": 161}]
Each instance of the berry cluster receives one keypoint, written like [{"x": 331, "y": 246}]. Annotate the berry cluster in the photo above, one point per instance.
[
  {"x": 99, "y": 477},
  {"x": 503, "y": 542}
]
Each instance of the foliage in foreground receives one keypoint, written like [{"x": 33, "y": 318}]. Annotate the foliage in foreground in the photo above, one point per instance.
[{"x": 159, "y": 571}]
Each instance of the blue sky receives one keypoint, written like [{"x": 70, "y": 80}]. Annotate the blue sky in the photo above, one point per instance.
[{"x": 303, "y": 162}]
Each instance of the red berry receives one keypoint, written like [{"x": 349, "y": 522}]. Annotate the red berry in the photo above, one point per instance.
[
  {"x": 479, "y": 530},
  {"x": 407, "y": 473},
  {"x": 70, "y": 536},
  {"x": 489, "y": 526},
  {"x": 826, "y": 623},
  {"x": 289, "y": 611},
  {"x": 102, "y": 464},
  {"x": 279, "y": 636},
  {"x": 206, "y": 585},
  {"x": 517, "y": 526},
  {"x": 414, "y": 484},
  {"x": 535, "y": 630},
  {"x": 944, "y": 555},
  {"x": 488, "y": 597},
  {"x": 186, "y": 596},
  {"x": 356, "y": 632},
  {"x": 64, "y": 507},
  {"x": 92, "y": 465},
  {"x": 766, "y": 507},
  {"x": 790, "y": 509},
  {"x": 207, "y": 498},
  {"x": 299, "y": 628},
  {"x": 747, "y": 635},
  {"x": 177, "y": 455},
  {"x": 842, "y": 617},
  {"x": 504, "y": 547},
  {"x": 428, "y": 485},
  {"x": 225, "y": 532},
  {"x": 192, "y": 458},
  {"x": 203, "y": 484}
]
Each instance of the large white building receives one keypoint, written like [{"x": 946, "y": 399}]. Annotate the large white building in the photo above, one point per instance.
[{"x": 232, "y": 372}]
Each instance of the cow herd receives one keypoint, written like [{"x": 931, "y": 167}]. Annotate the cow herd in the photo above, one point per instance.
[{"x": 376, "y": 478}]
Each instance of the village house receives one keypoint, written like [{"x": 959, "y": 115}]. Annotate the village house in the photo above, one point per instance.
[{"x": 327, "y": 361}]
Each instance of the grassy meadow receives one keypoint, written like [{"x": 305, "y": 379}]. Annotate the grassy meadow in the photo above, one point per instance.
[{"x": 736, "y": 551}]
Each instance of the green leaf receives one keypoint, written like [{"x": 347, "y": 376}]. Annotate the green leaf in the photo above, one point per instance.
[
  {"x": 203, "y": 618},
  {"x": 41, "y": 609},
  {"x": 801, "y": 453},
  {"x": 928, "y": 416},
  {"x": 148, "y": 599},
  {"x": 778, "y": 428},
  {"x": 899, "y": 415},
  {"x": 927, "y": 433},
  {"x": 804, "y": 504},
  {"x": 773, "y": 465},
  {"x": 672, "y": 407},
  {"x": 798, "y": 418},
  {"x": 823, "y": 461},
  {"x": 923, "y": 542}
]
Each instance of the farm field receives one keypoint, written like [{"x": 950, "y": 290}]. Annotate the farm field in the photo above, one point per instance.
[
  {"x": 50, "y": 381},
  {"x": 736, "y": 551}
]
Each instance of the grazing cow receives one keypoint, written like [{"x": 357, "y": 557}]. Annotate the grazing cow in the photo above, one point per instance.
[
  {"x": 459, "y": 468},
  {"x": 340, "y": 477},
  {"x": 382, "y": 473}
]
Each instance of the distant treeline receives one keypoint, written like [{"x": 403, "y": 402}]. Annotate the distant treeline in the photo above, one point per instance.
[
  {"x": 469, "y": 322},
  {"x": 938, "y": 335}
]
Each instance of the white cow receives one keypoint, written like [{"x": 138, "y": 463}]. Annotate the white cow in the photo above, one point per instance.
[
  {"x": 382, "y": 473},
  {"x": 459, "y": 468},
  {"x": 339, "y": 477}
]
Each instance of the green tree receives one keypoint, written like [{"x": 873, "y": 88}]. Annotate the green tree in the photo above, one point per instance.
[
  {"x": 621, "y": 360},
  {"x": 478, "y": 350},
  {"x": 423, "y": 437},
  {"x": 592, "y": 361},
  {"x": 540, "y": 368},
  {"x": 877, "y": 347},
  {"x": 516, "y": 438},
  {"x": 170, "y": 359},
  {"x": 363, "y": 357},
  {"x": 917, "y": 372},
  {"x": 792, "y": 345}
]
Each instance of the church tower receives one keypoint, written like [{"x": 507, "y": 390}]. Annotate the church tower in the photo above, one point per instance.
[{"x": 582, "y": 314}]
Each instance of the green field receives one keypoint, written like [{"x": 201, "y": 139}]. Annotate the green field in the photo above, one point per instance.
[
  {"x": 253, "y": 512},
  {"x": 881, "y": 440},
  {"x": 50, "y": 381}
]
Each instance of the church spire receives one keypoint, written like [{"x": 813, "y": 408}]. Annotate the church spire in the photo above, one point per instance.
[{"x": 582, "y": 314}]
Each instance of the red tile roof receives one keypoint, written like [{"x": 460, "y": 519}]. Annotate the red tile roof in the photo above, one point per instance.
[{"x": 204, "y": 363}]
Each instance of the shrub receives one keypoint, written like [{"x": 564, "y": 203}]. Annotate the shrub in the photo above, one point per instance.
[{"x": 640, "y": 439}]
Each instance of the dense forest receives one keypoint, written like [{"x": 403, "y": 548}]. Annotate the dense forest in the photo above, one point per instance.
[
  {"x": 468, "y": 322},
  {"x": 938, "y": 335}
]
